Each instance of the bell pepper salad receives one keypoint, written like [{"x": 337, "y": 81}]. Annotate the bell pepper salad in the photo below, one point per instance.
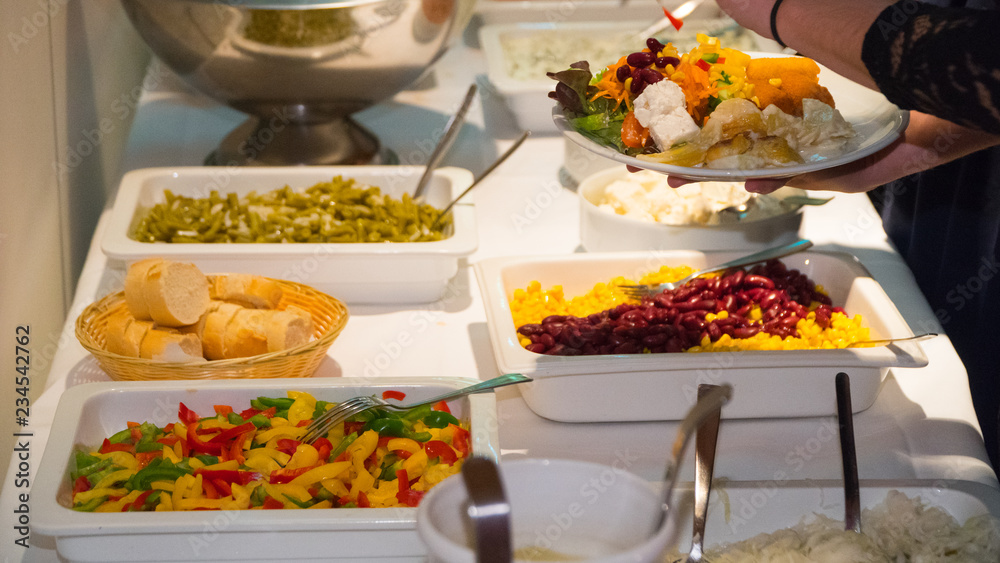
[{"x": 253, "y": 459}]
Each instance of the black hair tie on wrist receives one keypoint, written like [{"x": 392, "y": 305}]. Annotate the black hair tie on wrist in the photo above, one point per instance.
[{"x": 774, "y": 23}]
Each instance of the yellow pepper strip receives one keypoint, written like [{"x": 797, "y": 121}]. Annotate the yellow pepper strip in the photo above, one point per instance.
[
  {"x": 360, "y": 449},
  {"x": 325, "y": 471},
  {"x": 118, "y": 505},
  {"x": 305, "y": 456},
  {"x": 404, "y": 444},
  {"x": 171, "y": 455},
  {"x": 336, "y": 487},
  {"x": 273, "y": 434},
  {"x": 241, "y": 496},
  {"x": 195, "y": 463},
  {"x": 87, "y": 496},
  {"x": 114, "y": 477},
  {"x": 166, "y": 504},
  {"x": 302, "y": 408},
  {"x": 180, "y": 430},
  {"x": 415, "y": 464},
  {"x": 231, "y": 464},
  {"x": 282, "y": 491},
  {"x": 322, "y": 504},
  {"x": 216, "y": 423},
  {"x": 121, "y": 459},
  {"x": 162, "y": 485}
]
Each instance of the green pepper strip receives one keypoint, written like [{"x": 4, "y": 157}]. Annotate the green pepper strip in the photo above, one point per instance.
[
  {"x": 440, "y": 419},
  {"x": 342, "y": 446},
  {"x": 90, "y": 505}
]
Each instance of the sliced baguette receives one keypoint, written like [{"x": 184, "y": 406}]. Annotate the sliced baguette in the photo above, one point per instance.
[
  {"x": 125, "y": 334},
  {"x": 135, "y": 280},
  {"x": 256, "y": 292},
  {"x": 288, "y": 329},
  {"x": 166, "y": 345},
  {"x": 175, "y": 293},
  {"x": 246, "y": 334},
  {"x": 213, "y": 335}
]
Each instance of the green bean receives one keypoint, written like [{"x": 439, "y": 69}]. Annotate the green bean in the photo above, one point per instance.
[{"x": 336, "y": 211}]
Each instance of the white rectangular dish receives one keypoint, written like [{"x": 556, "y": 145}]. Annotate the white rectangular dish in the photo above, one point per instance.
[
  {"x": 410, "y": 272},
  {"x": 739, "y": 510},
  {"x": 637, "y": 387},
  {"x": 89, "y": 413},
  {"x": 519, "y": 54}
]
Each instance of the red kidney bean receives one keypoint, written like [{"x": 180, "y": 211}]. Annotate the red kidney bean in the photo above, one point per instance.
[
  {"x": 770, "y": 298},
  {"x": 654, "y": 340},
  {"x": 650, "y": 76},
  {"x": 554, "y": 319},
  {"x": 546, "y": 340},
  {"x": 693, "y": 323},
  {"x": 536, "y": 348},
  {"x": 654, "y": 45},
  {"x": 714, "y": 332},
  {"x": 756, "y": 280},
  {"x": 623, "y": 73},
  {"x": 728, "y": 302},
  {"x": 664, "y": 61},
  {"x": 746, "y": 331},
  {"x": 789, "y": 321},
  {"x": 530, "y": 329},
  {"x": 628, "y": 348},
  {"x": 641, "y": 59}
]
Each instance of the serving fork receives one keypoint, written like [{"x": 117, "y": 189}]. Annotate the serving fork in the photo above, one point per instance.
[
  {"x": 356, "y": 405},
  {"x": 639, "y": 291}
]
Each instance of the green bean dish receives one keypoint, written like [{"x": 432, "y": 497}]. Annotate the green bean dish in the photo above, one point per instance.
[{"x": 336, "y": 211}]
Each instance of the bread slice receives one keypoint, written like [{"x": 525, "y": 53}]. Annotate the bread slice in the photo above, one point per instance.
[
  {"x": 288, "y": 329},
  {"x": 124, "y": 334},
  {"x": 213, "y": 334},
  {"x": 135, "y": 280},
  {"x": 256, "y": 292},
  {"x": 246, "y": 334},
  {"x": 165, "y": 345},
  {"x": 175, "y": 293}
]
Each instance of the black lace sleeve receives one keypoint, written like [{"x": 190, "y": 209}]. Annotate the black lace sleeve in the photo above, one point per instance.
[{"x": 941, "y": 61}]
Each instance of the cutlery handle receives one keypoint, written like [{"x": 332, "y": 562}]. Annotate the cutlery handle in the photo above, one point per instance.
[
  {"x": 705, "y": 441},
  {"x": 451, "y": 132},
  {"x": 849, "y": 458},
  {"x": 762, "y": 256},
  {"x": 488, "y": 510},
  {"x": 500, "y": 381}
]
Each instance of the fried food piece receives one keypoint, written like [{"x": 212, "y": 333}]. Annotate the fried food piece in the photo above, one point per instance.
[
  {"x": 733, "y": 117},
  {"x": 785, "y": 81}
]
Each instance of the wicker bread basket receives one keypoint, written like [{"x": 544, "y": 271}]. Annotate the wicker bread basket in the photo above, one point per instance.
[{"x": 329, "y": 316}]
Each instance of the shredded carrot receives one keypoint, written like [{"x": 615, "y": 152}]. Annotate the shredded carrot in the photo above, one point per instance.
[{"x": 609, "y": 86}]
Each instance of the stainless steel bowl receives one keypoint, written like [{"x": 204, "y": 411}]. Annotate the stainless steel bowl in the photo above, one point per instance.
[{"x": 299, "y": 69}]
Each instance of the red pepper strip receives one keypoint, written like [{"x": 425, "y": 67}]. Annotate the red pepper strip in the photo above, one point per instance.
[
  {"x": 279, "y": 476},
  {"x": 168, "y": 428},
  {"x": 108, "y": 447},
  {"x": 402, "y": 454},
  {"x": 461, "y": 441},
  {"x": 236, "y": 448},
  {"x": 441, "y": 406},
  {"x": 270, "y": 503},
  {"x": 437, "y": 448},
  {"x": 168, "y": 440},
  {"x": 186, "y": 415},
  {"x": 363, "y": 500},
  {"x": 270, "y": 412},
  {"x": 133, "y": 428},
  {"x": 392, "y": 394},
  {"x": 720, "y": 60},
  {"x": 343, "y": 500},
  {"x": 245, "y": 415},
  {"x": 222, "y": 409},
  {"x": 197, "y": 445},
  {"x": 703, "y": 65},
  {"x": 406, "y": 495},
  {"x": 673, "y": 21},
  {"x": 233, "y": 432},
  {"x": 383, "y": 441},
  {"x": 351, "y": 427},
  {"x": 81, "y": 484},
  {"x": 324, "y": 447},
  {"x": 209, "y": 488},
  {"x": 287, "y": 445},
  {"x": 145, "y": 457},
  {"x": 202, "y": 430},
  {"x": 302, "y": 423},
  {"x": 228, "y": 475},
  {"x": 224, "y": 488},
  {"x": 139, "y": 501}
]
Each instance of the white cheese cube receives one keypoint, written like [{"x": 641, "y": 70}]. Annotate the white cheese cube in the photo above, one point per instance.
[{"x": 662, "y": 109}]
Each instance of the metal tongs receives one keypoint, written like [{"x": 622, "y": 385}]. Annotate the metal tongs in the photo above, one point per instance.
[
  {"x": 845, "y": 418},
  {"x": 708, "y": 403}
]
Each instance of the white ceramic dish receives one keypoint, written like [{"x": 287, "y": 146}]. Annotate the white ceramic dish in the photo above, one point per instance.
[
  {"x": 528, "y": 99},
  {"x": 600, "y": 513},
  {"x": 740, "y": 510},
  {"x": 663, "y": 386},
  {"x": 353, "y": 272},
  {"x": 876, "y": 121},
  {"x": 602, "y": 230},
  {"x": 88, "y": 413}
]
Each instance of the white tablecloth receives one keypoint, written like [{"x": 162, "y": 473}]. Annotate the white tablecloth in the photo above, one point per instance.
[{"x": 922, "y": 426}]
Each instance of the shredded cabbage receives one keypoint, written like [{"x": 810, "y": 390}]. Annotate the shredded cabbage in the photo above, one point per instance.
[{"x": 899, "y": 530}]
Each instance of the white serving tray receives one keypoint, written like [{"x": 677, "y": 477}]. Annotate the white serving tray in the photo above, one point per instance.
[
  {"x": 352, "y": 272},
  {"x": 88, "y": 413},
  {"x": 739, "y": 510},
  {"x": 663, "y": 386}
]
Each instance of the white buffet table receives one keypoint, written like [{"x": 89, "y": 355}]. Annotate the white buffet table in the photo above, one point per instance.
[{"x": 922, "y": 426}]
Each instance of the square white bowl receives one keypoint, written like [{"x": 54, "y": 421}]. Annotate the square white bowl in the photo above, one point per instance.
[
  {"x": 602, "y": 230},
  {"x": 88, "y": 413},
  {"x": 410, "y": 272},
  {"x": 635, "y": 387}
]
